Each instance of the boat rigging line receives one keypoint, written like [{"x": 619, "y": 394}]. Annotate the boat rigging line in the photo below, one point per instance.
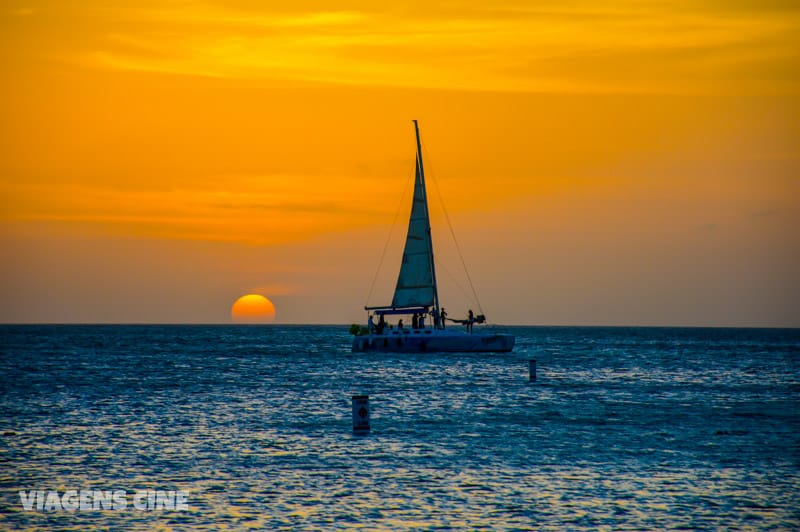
[
  {"x": 453, "y": 234},
  {"x": 388, "y": 238},
  {"x": 453, "y": 279}
]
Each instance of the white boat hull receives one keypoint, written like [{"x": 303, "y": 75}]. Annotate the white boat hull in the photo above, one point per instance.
[{"x": 433, "y": 340}]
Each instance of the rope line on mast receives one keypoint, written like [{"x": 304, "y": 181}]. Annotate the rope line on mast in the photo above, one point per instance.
[
  {"x": 388, "y": 239},
  {"x": 455, "y": 240},
  {"x": 463, "y": 290}
]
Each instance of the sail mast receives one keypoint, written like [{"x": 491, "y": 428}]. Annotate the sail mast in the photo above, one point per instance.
[
  {"x": 427, "y": 219},
  {"x": 416, "y": 289}
]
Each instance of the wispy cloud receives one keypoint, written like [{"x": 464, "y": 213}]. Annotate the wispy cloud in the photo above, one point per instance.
[
  {"x": 278, "y": 289},
  {"x": 250, "y": 209},
  {"x": 764, "y": 213},
  {"x": 567, "y": 47},
  {"x": 21, "y": 11}
]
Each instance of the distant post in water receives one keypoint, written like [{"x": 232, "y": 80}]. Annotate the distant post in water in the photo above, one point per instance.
[
  {"x": 532, "y": 370},
  {"x": 361, "y": 414}
]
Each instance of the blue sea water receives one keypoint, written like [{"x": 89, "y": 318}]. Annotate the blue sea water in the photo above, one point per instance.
[{"x": 624, "y": 429}]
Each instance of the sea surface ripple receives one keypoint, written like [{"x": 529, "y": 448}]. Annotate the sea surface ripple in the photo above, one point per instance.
[{"x": 625, "y": 428}]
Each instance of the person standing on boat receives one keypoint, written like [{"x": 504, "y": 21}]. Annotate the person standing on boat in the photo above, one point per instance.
[
  {"x": 421, "y": 321},
  {"x": 470, "y": 321},
  {"x": 371, "y": 324},
  {"x": 381, "y": 324},
  {"x": 442, "y": 317},
  {"x": 414, "y": 323},
  {"x": 400, "y": 324}
]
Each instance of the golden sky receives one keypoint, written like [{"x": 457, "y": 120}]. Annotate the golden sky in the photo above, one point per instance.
[{"x": 615, "y": 162}]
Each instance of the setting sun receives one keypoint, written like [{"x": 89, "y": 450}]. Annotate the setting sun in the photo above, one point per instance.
[{"x": 253, "y": 308}]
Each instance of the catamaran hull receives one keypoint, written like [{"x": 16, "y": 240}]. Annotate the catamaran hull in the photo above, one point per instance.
[{"x": 419, "y": 341}]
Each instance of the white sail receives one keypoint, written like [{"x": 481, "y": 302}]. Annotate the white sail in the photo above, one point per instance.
[{"x": 416, "y": 284}]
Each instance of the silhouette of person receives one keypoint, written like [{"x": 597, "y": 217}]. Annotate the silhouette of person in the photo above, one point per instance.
[
  {"x": 400, "y": 324},
  {"x": 470, "y": 320},
  {"x": 442, "y": 317}
]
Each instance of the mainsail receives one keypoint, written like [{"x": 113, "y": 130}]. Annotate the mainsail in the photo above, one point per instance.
[{"x": 416, "y": 283}]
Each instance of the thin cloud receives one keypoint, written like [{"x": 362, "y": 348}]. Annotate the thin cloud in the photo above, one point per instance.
[
  {"x": 567, "y": 48},
  {"x": 764, "y": 213},
  {"x": 278, "y": 289},
  {"x": 256, "y": 210}
]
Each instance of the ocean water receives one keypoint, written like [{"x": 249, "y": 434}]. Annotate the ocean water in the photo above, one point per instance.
[{"x": 624, "y": 429}]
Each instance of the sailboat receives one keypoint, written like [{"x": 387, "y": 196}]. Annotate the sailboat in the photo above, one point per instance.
[{"x": 416, "y": 295}]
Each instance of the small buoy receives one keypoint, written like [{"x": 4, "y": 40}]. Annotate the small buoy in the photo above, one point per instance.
[
  {"x": 532, "y": 370},
  {"x": 361, "y": 414}
]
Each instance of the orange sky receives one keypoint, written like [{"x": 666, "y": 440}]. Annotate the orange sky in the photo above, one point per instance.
[{"x": 602, "y": 163}]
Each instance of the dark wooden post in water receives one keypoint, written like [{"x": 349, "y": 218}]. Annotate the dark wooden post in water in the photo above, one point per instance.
[
  {"x": 361, "y": 414},
  {"x": 532, "y": 370}
]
